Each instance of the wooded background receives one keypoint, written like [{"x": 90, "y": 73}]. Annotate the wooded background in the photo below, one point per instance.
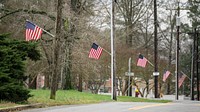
[{"x": 86, "y": 21}]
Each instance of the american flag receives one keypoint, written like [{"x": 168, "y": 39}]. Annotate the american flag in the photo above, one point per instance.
[
  {"x": 95, "y": 51},
  {"x": 165, "y": 76},
  {"x": 181, "y": 79},
  {"x": 142, "y": 61},
  {"x": 33, "y": 32}
]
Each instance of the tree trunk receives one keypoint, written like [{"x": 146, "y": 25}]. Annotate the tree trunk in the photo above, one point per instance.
[
  {"x": 70, "y": 40},
  {"x": 46, "y": 83},
  {"x": 68, "y": 66},
  {"x": 80, "y": 83},
  {"x": 170, "y": 52},
  {"x": 32, "y": 84},
  {"x": 129, "y": 36},
  {"x": 147, "y": 85},
  {"x": 56, "y": 72},
  {"x": 124, "y": 86}
]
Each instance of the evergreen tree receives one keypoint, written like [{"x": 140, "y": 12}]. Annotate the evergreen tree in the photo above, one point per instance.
[
  {"x": 13, "y": 54},
  {"x": 194, "y": 12}
]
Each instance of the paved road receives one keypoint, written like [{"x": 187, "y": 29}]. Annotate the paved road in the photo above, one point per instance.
[{"x": 176, "y": 106}]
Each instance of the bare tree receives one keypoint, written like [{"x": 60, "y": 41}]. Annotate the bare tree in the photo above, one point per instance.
[
  {"x": 57, "y": 39},
  {"x": 130, "y": 14}
]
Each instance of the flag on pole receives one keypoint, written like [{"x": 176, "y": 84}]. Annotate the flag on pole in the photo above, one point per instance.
[
  {"x": 95, "y": 51},
  {"x": 142, "y": 61},
  {"x": 181, "y": 79},
  {"x": 33, "y": 32},
  {"x": 165, "y": 75}
]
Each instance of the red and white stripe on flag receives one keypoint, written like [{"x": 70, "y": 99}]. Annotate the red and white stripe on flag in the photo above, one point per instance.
[
  {"x": 95, "y": 51},
  {"x": 142, "y": 61},
  {"x": 165, "y": 76},
  {"x": 33, "y": 32},
  {"x": 181, "y": 80}
]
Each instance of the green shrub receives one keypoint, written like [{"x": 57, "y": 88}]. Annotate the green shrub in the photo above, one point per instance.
[{"x": 14, "y": 93}]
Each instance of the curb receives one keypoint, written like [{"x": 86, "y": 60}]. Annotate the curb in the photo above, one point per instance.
[{"x": 21, "y": 107}]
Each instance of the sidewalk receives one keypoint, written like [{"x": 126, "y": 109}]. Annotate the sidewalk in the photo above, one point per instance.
[{"x": 173, "y": 98}]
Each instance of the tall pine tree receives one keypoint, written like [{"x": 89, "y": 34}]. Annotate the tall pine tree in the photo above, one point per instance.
[{"x": 13, "y": 54}]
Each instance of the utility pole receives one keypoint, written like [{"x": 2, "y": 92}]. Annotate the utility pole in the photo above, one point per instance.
[
  {"x": 197, "y": 62},
  {"x": 178, "y": 23},
  {"x": 155, "y": 51},
  {"x": 195, "y": 65},
  {"x": 177, "y": 50},
  {"x": 113, "y": 65},
  {"x": 192, "y": 68}
]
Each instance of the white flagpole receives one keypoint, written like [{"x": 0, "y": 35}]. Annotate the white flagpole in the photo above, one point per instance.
[
  {"x": 150, "y": 63},
  {"x": 113, "y": 62},
  {"x": 112, "y": 51},
  {"x": 106, "y": 51},
  {"x": 185, "y": 75},
  {"x": 48, "y": 32}
]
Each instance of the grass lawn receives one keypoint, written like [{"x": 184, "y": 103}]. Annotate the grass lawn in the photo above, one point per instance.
[
  {"x": 69, "y": 97},
  {"x": 75, "y": 97},
  {"x": 66, "y": 97},
  {"x": 4, "y": 104}
]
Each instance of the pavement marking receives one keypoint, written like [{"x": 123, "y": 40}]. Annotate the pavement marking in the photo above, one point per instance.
[{"x": 147, "y": 106}]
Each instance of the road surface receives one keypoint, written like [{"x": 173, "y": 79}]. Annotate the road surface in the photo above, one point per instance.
[{"x": 176, "y": 106}]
